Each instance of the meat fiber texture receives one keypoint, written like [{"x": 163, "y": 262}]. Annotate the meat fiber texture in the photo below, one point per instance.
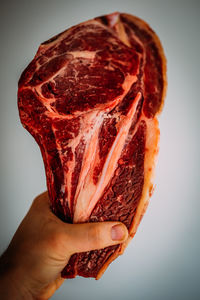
[{"x": 90, "y": 98}]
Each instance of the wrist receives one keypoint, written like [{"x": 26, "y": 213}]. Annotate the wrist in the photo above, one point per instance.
[{"x": 12, "y": 283}]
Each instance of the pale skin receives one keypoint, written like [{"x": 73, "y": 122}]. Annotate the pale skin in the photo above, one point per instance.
[{"x": 31, "y": 266}]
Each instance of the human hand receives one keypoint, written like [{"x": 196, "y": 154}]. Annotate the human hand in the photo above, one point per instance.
[{"x": 41, "y": 247}]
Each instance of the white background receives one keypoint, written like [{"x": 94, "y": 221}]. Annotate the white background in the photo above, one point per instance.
[{"x": 162, "y": 262}]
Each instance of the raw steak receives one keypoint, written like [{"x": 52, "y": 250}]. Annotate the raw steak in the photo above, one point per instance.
[{"x": 90, "y": 98}]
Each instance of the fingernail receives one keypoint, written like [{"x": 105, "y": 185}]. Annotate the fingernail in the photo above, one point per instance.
[{"x": 117, "y": 232}]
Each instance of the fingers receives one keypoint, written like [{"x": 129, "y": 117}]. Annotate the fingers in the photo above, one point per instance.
[
  {"x": 51, "y": 288},
  {"x": 82, "y": 237},
  {"x": 41, "y": 201},
  {"x": 92, "y": 236}
]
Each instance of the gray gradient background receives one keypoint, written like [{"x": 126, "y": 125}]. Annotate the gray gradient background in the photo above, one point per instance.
[{"x": 162, "y": 262}]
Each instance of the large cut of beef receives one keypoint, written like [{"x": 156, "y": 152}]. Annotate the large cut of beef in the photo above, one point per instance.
[{"x": 90, "y": 98}]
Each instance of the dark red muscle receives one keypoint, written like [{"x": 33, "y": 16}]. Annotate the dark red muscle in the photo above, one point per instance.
[{"x": 90, "y": 98}]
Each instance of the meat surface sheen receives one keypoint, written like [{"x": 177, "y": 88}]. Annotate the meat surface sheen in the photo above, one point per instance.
[{"x": 90, "y": 98}]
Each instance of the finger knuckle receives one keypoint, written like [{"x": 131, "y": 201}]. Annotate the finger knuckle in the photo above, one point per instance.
[
  {"x": 55, "y": 239},
  {"x": 96, "y": 236}
]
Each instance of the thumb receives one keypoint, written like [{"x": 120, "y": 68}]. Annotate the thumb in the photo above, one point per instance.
[{"x": 92, "y": 236}]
